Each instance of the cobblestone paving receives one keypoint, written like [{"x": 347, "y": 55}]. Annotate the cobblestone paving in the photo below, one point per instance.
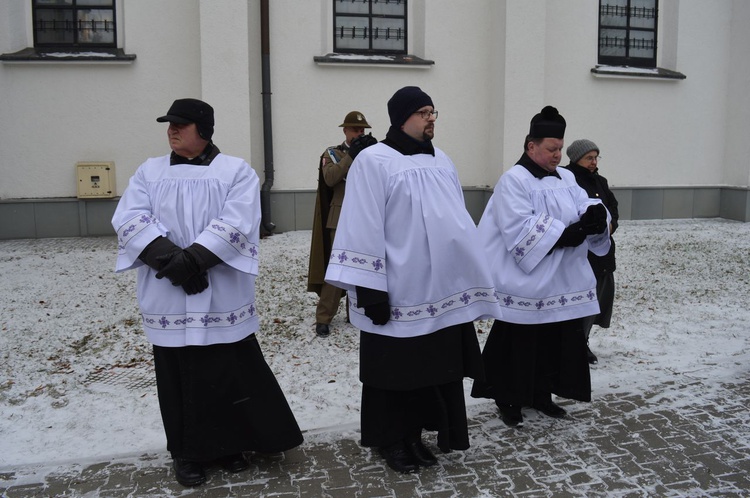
[{"x": 687, "y": 438}]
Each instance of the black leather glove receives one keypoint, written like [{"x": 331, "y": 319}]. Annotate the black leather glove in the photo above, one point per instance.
[
  {"x": 196, "y": 284},
  {"x": 379, "y": 313},
  {"x": 572, "y": 236},
  {"x": 360, "y": 143},
  {"x": 205, "y": 258},
  {"x": 375, "y": 303},
  {"x": 178, "y": 268},
  {"x": 594, "y": 220},
  {"x": 160, "y": 246},
  {"x": 192, "y": 260}
]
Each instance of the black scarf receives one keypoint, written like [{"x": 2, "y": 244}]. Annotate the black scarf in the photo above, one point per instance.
[
  {"x": 403, "y": 143},
  {"x": 535, "y": 169}
]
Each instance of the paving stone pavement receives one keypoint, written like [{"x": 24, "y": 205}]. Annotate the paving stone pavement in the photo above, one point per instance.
[{"x": 687, "y": 438}]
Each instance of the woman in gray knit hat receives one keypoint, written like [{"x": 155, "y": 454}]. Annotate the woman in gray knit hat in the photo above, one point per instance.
[{"x": 584, "y": 161}]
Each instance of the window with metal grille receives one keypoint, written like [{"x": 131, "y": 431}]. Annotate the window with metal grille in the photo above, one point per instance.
[
  {"x": 627, "y": 32},
  {"x": 74, "y": 23},
  {"x": 369, "y": 26}
]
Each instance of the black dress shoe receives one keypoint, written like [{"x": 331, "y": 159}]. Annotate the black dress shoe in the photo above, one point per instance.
[
  {"x": 399, "y": 458},
  {"x": 593, "y": 360},
  {"x": 421, "y": 453},
  {"x": 550, "y": 409},
  {"x": 188, "y": 473},
  {"x": 510, "y": 414},
  {"x": 322, "y": 330},
  {"x": 234, "y": 463}
]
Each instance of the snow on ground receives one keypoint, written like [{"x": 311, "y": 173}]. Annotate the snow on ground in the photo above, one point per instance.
[{"x": 76, "y": 375}]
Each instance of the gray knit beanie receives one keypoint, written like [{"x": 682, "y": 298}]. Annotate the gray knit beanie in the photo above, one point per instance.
[{"x": 579, "y": 148}]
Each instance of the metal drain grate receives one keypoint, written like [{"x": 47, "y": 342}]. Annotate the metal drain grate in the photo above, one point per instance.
[{"x": 131, "y": 378}]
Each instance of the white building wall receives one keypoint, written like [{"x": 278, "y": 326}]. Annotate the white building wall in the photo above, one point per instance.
[
  {"x": 736, "y": 165},
  {"x": 497, "y": 62},
  {"x": 651, "y": 132},
  {"x": 55, "y": 114},
  {"x": 310, "y": 100},
  {"x": 524, "y": 83},
  {"x": 226, "y": 73}
]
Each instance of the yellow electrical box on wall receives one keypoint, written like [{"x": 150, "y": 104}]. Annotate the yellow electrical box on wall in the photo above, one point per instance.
[{"x": 96, "y": 180}]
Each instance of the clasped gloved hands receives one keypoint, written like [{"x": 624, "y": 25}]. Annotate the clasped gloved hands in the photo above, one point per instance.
[
  {"x": 360, "y": 143},
  {"x": 375, "y": 303},
  {"x": 178, "y": 268},
  {"x": 183, "y": 267},
  {"x": 188, "y": 268},
  {"x": 196, "y": 284},
  {"x": 593, "y": 221}
]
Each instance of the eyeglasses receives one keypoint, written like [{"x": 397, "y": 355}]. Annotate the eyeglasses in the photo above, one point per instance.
[
  {"x": 591, "y": 158},
  {"x": 427, "y": 114}
]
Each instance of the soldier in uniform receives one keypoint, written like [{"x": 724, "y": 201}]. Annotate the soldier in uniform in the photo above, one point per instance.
[{"x": 333, "y": 167}]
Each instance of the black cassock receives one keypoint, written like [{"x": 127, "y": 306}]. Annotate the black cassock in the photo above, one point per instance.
[
  {"x": 221, "y": 400},
  {"x": 416, "y": 383},
  {"x": 524, "y": 361}
]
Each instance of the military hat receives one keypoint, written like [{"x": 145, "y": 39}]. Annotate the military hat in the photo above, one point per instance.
[{"x": 355, "y": 119}]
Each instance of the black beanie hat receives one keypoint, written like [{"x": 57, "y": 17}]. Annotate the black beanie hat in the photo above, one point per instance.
[
  {"x": 548, "y": 123},
  {"x": 184, "y": 111},
  {"x": 404, "y": 102}
]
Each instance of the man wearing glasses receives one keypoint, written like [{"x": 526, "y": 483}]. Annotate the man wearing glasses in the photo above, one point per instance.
[
  {"x": 332, "y": 170},
  {"x": 407, "y": 252}
]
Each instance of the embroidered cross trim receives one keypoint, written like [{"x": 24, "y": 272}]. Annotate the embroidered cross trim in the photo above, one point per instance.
[
  {"x": 235, "y": 238},
  {"x": 200, "y": 320},
  {"x": 436, "y": 309},
  {"x": 359, "y": 261},
  {"x": 547, "y": 303},
  {"x": 131, "y": 228},
  {"x": 532, "y": 237}
]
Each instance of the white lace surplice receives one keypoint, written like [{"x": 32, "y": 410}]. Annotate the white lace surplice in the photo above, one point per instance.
[
  {"x": 404, "y": 229},
  {"x": 217, "y": 206},
  {"x": 520, "y": 226}
]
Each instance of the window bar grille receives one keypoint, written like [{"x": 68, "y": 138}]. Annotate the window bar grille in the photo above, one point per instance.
[
  {"x": 643, "y": 13},
  {"x": 634, "y": 43},
  {"x": 622, "y": 11},
  {"x": 390, "y": 33},
  {"x": 66, "y": 25}
]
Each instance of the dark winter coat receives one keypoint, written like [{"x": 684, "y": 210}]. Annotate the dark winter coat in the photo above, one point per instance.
[
  {"x": 596, "y": 187},
  {"x": 328, "y": 202}
]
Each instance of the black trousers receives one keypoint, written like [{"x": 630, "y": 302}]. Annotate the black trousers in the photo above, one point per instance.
[{"x": 221, "y": 400}]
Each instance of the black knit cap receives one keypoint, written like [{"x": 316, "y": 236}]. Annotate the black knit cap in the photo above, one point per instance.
[
  {"x": 184, "y": 111},
  {"x": 404, "y": 102},
  {"x": 548, "y": 123}
]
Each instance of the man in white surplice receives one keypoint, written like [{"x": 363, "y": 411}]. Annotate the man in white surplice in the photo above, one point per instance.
[
  {"x": 189, "y": 223},
  {"x": 537, "y": 229},
  {"x": 408, "y": 253}
]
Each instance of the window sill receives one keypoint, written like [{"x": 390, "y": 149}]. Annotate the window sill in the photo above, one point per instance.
[
  {"x": 335, "y": 59},
  {"x": 628, "y": 72},
  {"x": 69, "y": 56}
]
